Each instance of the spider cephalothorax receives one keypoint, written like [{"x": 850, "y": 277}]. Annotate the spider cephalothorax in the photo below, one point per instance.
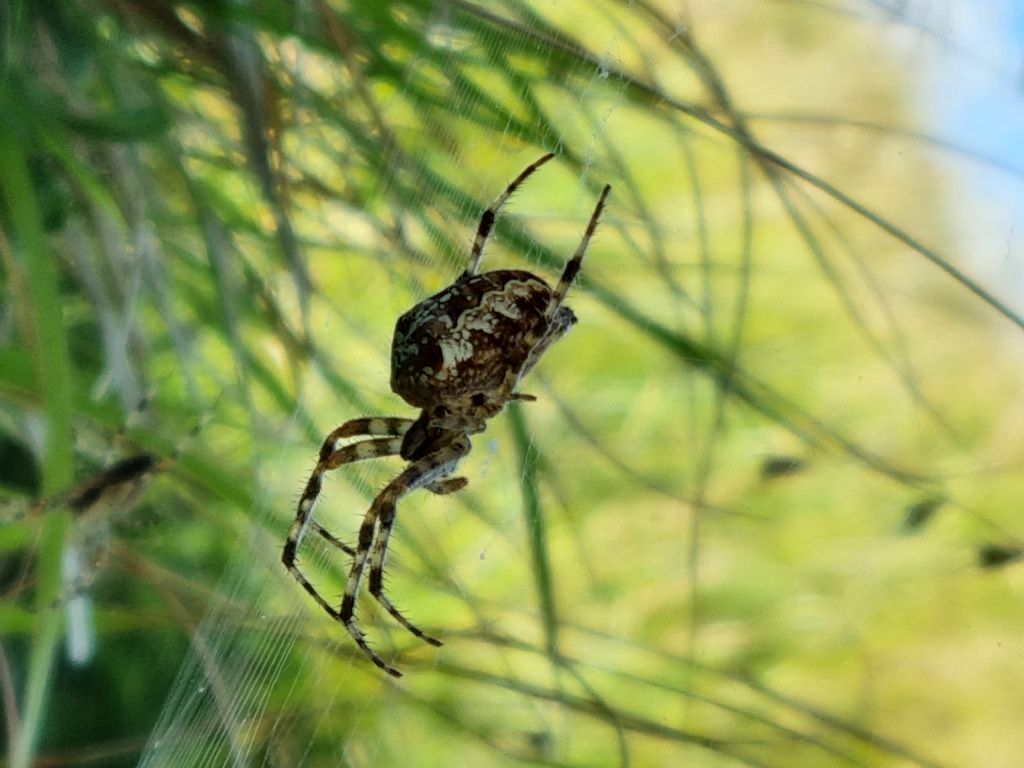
[{"x": 457, "y": 355}]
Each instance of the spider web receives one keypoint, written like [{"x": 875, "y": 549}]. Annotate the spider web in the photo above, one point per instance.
[{"x": 750, "y": 478}]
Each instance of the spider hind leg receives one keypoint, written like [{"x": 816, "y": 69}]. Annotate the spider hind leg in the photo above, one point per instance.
[
  {"x": 333, "y": 454},
  {"x": 377, "y": 560},
  {"x": 430, "y": 472}
]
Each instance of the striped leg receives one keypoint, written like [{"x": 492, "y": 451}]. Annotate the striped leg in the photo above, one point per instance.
[
  {"x": 329, "y": 537},
  {"x": 450, "y": 485},
  {"x": 332, "y": 456},
  {"x": 379, "y": 426},
  {"x": 373, "y": 543},
  {"x": 559, "y": 318},
  {"x": 572, "y": 267},
  {"x": 488, "y": 217}
]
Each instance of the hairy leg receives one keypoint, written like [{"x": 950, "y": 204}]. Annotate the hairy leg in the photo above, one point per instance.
[
  {"x": 376, "y": 531},
  {"x": 488, "y": 217},
  {"x": 572, "y": 267},
  {"x": 333, "y": 454}
]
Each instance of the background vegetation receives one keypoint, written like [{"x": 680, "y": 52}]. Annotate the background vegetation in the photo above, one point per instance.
[{"x": 765, "y": 510}]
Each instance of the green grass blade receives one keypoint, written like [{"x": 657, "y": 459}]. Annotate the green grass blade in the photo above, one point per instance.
[
  {"x": 536, "y": 528},
  {"x": 52, "y": 367}
]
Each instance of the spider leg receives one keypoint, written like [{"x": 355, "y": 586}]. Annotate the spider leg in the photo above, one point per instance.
[
  {"x": 371, "y": 425},
  {"x": 572, "y": 267},
  {"x": 330, "y": 538},
  {"x": 332, "y": 455},
  {"x": 559, "y": 318},
  {"x": 488, "y": 217},
  {"x": 426, "y": 471},
  {"x": 451, "y": 485}
]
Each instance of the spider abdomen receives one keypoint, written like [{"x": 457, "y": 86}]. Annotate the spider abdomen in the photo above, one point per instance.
[{"x": 468, "y": 338}]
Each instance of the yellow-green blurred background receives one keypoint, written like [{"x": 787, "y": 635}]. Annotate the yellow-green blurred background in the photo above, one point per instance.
[{"x": 765, "y": 510}]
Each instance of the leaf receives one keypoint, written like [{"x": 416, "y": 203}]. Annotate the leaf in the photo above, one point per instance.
[
  {"x": 992, "y": 556},
  {"x": 781, "y": 466},
  {"x": 921, "y": 512},
  {"x": 139, "y": 124}
]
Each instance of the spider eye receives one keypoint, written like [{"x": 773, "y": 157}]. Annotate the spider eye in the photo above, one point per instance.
[{"x": 478, "y": 399}]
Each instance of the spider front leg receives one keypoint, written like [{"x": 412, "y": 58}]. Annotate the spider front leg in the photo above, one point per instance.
[
  {"x": 572, "y": 267},
  {"x": 559, "y": 318},
  {"x": 333, "y": 454},
  {"x": 487, "y": 219},
  {"x": 375, "y": 532}
]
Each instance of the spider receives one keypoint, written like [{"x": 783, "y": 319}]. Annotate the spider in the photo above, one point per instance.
[{"x": 458, "y": 356}]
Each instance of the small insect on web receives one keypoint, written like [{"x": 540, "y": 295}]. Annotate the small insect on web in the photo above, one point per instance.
[
  {"x": 458, "y": 356},
  {"x": 95, "y": 503},
  {"x": 98, "y": 504}
]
